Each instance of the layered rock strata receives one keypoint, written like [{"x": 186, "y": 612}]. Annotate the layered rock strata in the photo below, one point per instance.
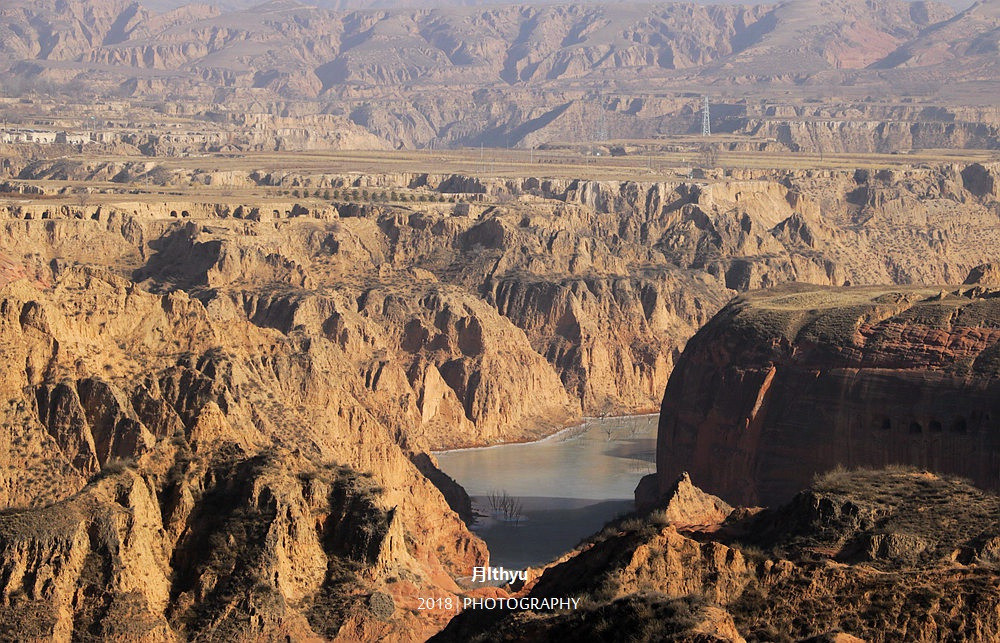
[
  {"x": 561, "y": 260},
  {"x": 294, "y": 345},
  {"x": 786, "y": 383},
  {"x": 166, "y": 476}
]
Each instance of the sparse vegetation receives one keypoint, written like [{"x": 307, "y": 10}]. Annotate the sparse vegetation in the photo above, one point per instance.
[
  {"x": 708, "y": 156},
  {"x": 114, "y": 466},
  {"x": 381, "y": 605},
  {"x": 506, "y": 506}
]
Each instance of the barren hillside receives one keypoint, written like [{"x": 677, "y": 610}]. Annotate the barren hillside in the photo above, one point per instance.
[{"x": 527, "y": 75}]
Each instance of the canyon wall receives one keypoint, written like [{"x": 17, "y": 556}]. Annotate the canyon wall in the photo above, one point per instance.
[
  {"x": 435, "y": 288},
  {"x": 239, "y": 397},
  {"x": 190, "y": 476},
  {"x": 787, "y": 383}
]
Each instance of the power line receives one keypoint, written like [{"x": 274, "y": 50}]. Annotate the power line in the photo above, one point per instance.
[{"x": 706, "y": 119}]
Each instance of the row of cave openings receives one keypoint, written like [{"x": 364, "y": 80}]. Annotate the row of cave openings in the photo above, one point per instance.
[
  {"x": 96, "y": 215},
  {"x": 959, "y": 425},
  {"x": 79, "y": 214}
]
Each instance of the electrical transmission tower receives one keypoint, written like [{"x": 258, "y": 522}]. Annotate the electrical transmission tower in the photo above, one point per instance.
[
  {"x": 602, "y": 127},
  {"x": 706, "y": 119}
]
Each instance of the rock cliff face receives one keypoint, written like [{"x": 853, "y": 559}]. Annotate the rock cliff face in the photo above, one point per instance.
[
  {"x": 262, "y": 379},
  {"x": 874, "y": 555},
  {"x": 561, "y": 260},
  {"x": 861, "y": 136},
  {"x": 224, "y": 493},
  {"x": 786, "y": 383}
]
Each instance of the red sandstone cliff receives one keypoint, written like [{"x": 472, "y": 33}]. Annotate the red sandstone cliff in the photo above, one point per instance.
[{"x": 786, "y": 383}]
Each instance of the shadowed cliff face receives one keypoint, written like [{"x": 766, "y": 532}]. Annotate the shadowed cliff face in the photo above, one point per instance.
[{"x": 786, "y": 383}]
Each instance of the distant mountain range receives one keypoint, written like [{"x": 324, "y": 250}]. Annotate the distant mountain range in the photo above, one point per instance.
[
  {"x": 417, "y": 74},
  {"x": 297, "y": 51},
  {"x": 359, "y": 5}
]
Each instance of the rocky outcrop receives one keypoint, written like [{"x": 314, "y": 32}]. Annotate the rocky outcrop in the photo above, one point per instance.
[
  {"x": 787, "y": 383},
  {"x": 688, "y": 507},
  {"x": 566, "y": 322},
  {"x": 239, "y": 548},
  {"x": 105, "y": 544},
  {"x": 453, "y": 366},
  {"x": 987, "y": 274},
  {"x": 872, "y": 555},
  {"x": 873, "y": 136}
]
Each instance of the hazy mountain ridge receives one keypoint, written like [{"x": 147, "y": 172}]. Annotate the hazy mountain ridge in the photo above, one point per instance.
[
  {"x": 802, "y": 75},
  {"x": 299, "y": 51},
  {"x": 355, "y": 5}
]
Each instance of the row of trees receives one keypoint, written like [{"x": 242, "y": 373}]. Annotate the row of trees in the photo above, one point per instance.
[{"x": 366, "y": 195}]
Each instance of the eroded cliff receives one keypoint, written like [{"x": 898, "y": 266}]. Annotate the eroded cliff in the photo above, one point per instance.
[
  {"x": 785, "y": 383},
  {"x": 560, "y": 260},
  {"x": 262, "y": 379},
  {"x": 167, "y": 474}
]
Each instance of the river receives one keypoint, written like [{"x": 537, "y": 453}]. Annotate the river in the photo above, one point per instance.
[{"x": 540, "y": 499}]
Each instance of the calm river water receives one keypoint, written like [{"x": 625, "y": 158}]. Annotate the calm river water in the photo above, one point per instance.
[{"x": 559, "y": 490}]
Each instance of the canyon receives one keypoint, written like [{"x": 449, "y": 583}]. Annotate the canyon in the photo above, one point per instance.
[
  {"x": 260, "y": 264},
  {"x": 221, "y": 409}
]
